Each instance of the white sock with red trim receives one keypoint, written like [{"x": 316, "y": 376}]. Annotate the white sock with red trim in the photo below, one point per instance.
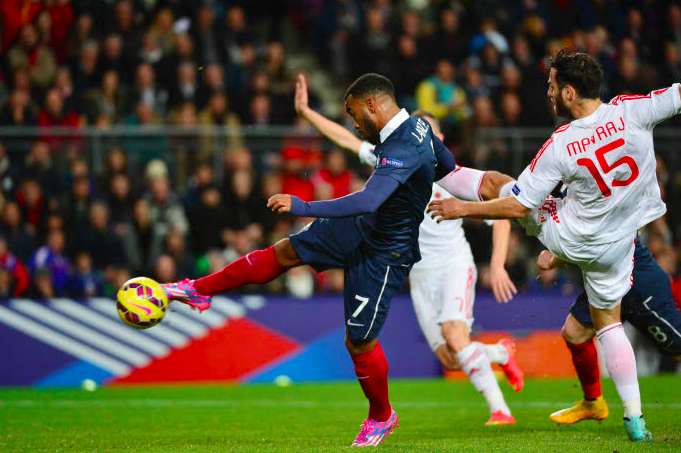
[
  {"x": 621, "y": 364},
  {"x": 496, "y": 353},
  {"x": 476, "y": 365}
]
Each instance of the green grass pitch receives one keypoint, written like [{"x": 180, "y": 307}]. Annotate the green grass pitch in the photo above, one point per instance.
[{"x": 436, "y": 416}]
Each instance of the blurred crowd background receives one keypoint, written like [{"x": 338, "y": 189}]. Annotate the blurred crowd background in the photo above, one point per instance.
[{"x": 144, "y": 136}]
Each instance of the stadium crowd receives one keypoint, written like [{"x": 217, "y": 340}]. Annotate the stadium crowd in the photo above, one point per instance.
[{"x": 162, "y": 206}]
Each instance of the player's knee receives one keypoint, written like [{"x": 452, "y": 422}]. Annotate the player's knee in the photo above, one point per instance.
[
  {"x": 286, "y": 254},
  {"x": 575, "y": 332},
  {"x": 446, "y": 358},
  {"x": 456, "y": 334},
  {"x": 356, "y": 347}
]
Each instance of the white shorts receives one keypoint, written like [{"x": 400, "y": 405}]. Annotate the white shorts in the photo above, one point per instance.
[
  {"x": 606, "y": 268},
  {"x": 441, "y": 294}
]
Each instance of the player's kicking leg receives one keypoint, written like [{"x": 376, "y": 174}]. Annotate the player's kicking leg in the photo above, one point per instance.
[
  {"x": 369, "y": 287},
  {"x": 257, "y": 267}
]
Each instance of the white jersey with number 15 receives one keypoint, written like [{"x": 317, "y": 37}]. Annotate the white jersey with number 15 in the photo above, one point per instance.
[{"x": 607, "y": 161}]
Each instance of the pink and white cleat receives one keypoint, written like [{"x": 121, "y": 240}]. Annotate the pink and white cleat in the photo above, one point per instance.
[
  {"x": 373, "y": 432},
  {"x": 499, "y": 418},
  {"x": 184, "y": 291},
  {"x": 511, "y": 369}
]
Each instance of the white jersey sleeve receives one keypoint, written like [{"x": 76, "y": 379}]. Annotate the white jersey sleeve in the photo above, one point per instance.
[
  {"x": 366, "y": 154},
  {"x": 537, "y": 181},
  {"x": 648, "y": 110},
  {"x": 463, "y": 183}
]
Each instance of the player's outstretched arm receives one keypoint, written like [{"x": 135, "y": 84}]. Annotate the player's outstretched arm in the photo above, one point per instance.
[
  {"x": 377, "y": 189},
  {"x": 500, "y": 208},
  {"x": 329, "y": 129},
  {"x": 502, "y": 285}
]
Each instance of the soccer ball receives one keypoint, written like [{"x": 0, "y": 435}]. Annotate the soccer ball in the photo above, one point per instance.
[{"x": 142, "y": 302}]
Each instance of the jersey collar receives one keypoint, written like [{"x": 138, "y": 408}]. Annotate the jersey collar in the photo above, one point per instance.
[{"x": 395, "y": 122}]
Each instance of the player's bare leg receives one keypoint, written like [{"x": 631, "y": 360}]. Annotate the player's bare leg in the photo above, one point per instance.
[
  {"x": 257, "y": 267},
  {"x": 621, "y": 365},
  {"x": 579, "y": 340},
  {"x": 371, "y": 368},
  {"x": 474, "y": 362}
]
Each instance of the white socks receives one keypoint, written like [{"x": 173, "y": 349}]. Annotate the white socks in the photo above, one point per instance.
[
  {"x": 496, "y": 353},
  {"x": 474, "y": 362},
  {"x": 621, "y": 365}
]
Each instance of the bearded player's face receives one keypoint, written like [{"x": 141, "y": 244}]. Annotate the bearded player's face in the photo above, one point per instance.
[
  {"x": 555, "y": 96},
  {"x": 363, "y": 118}
]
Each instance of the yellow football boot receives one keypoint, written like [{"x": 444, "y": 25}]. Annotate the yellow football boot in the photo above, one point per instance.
[{"x": 582, "y": 410}]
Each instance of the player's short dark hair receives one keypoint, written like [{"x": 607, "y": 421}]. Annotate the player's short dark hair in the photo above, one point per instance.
[
  {"x": 580, "y": 70},
  {"x": 368, "y": 84}
]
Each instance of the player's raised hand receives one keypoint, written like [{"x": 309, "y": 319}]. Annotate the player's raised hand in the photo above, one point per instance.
[
  {"x": 280, "y": 203},
  {"x": 448, "y": 209},
  {"x": 301, "y": 97},
  {"x": 502, "y": 285}
]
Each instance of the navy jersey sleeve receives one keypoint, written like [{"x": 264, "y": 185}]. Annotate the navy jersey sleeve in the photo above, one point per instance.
[
  {"x": 445, "y": 159},
  {"x": 397, "y": 160}
]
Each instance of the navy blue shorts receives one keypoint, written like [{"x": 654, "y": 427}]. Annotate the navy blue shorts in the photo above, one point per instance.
[
  {"x": 370, "y": 280},
  {"x": 649, "y": 305}
]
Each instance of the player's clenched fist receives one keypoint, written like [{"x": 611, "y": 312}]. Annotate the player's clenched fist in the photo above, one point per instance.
[
  {"x": 280, "y": 203},
  {"x": 448, "y": 209}
]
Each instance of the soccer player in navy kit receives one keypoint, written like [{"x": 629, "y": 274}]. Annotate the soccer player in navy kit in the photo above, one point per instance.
[{"x": 372, "y": 234}]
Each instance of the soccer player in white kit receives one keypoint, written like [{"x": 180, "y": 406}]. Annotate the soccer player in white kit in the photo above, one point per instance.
[
  {"x": 443, "y": 282},
  {"x": 605, "y": 157}
]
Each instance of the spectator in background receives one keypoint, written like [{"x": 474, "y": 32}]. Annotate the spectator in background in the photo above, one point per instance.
[
  {"x": 208, "y": 217},
  {"x": 142, "y": 240},
  {"x": 628, "y": 80},
  {"x": 167, "y": 67},
  {"x": 449, "y": 41},
  {"x": 161, "y": 29},
  {"x": 333, "y": 180},
  {"x": 106, "y": 101},
  {"x": 32, "y": 202},
  {"x": 50, "y": 258},
  {"x": 175, "y": 247},
  {"x": 85, "y": 71},
  {"x": 84, "y": 282},
  {"x": 147, "y": 92},
  {"x": 244, "y": 204},
  {"x": 15, "y": 269},
  {"x": 217, "y": 113},
  {"x": 81, "y": 32},
  {"x": 123, "y": 24},
  {"x": 408, "y": 71},
  {"x": 99, "y": 240},
  {"x": 54, "y": 114},
  {"x": 213, "y": 82},
  {"x": 670, "y": 71},
  {"x": 112, "y": 59},
  {"x": 17, "y": 111},
  {"x": 371, "y": 49},
  {"x": 120, "y": 201},
  {"x": 441, "y": 96},
  {"x": 18, "y": 235},
  {"x": 36, "y": 57},
  {"x": 260, "y": 110},
  {"x": 39, "y": 166},
  {"x": 165, "y": 210},
  {"x": 77, "y": 204},
  {"x": 165, "y": 269},
  {"x": 207, "y": 36},
  {"x": 186, "y": 89}
]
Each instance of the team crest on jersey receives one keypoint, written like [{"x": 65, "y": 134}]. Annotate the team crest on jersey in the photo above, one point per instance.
[{"x": 390, "y": 162}]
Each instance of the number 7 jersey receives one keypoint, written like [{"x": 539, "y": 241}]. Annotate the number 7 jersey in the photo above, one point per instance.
[{"x": 607, "y": 161}]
